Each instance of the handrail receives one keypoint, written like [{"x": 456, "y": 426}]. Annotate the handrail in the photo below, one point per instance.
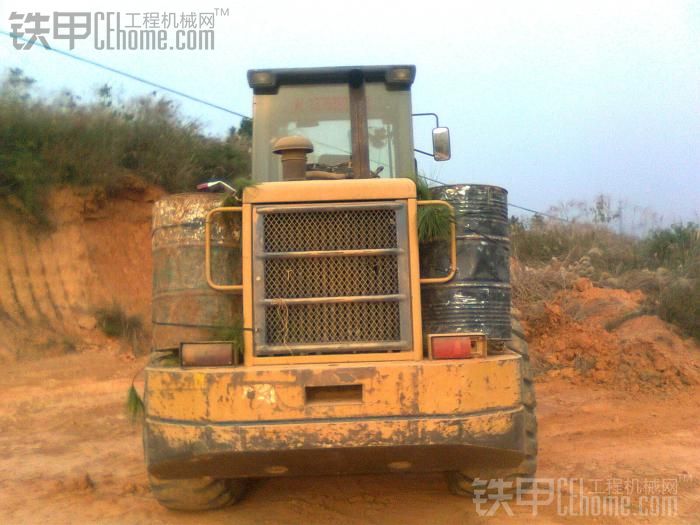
[
  {"x": 207, "y": 250},
  {"x": 453, "y": 244}
]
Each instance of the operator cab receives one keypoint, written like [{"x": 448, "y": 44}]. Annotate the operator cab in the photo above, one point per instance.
[{"x": 356, "y": 122}]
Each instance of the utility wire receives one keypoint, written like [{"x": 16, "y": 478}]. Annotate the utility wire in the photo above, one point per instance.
[
  {"x": 548, "y": 215},
  {"x": 509, "y": 204},
  {"x": 128, "y": 75},
  {"x": 210, "y": 104}
]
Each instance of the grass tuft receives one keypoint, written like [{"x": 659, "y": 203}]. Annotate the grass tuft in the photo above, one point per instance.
[
  {"x": 115, "y": 322},
  {"x": 434, "y": 223},
  {"x": 233, "y": 333},
  {"x": 135, "y": 408},
  {"x": 239, "y": 184}
]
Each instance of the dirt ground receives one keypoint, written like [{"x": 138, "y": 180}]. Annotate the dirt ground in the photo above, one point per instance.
[
  {"x": 72, "y": 456},
  {"x": 618, "y": 405}
]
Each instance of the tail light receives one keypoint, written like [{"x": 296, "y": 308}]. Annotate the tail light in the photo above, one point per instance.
[
  {"x": 216, "y": 353},
  {"x": 456, "y": 346}
]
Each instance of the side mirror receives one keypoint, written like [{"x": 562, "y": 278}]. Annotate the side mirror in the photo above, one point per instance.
[{"x": 441, "y": 144}]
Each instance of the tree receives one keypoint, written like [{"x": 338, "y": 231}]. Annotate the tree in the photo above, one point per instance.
[{"x": 18, "y": 84}]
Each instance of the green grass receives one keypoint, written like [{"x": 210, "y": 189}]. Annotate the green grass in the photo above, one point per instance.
[
  {"x": 233, "y": 333},
  {"x": 135, "y": 407},
  {"x": 434, "y": 222},
  {"x": 239, "y": 184}
]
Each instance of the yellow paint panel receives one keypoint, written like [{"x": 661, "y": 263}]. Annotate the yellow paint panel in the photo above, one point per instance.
[
  {"x": 180, "y": 396},
  {"x": 276, "y": 393},
  {"x": 496, "y": 383},
  {"x": 290, "y": 436},
  {"x": 328, "y": 191}
]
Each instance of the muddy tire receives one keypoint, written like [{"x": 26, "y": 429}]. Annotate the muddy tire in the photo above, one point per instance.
[
  {"x": 461, "y": 483},
  {"x": 197, "y": 493}
]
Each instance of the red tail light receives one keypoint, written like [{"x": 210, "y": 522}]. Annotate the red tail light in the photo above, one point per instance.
[{"x": 457, "y": 346}]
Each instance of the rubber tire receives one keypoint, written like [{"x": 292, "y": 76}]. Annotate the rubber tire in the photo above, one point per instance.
[
  {"x": 461, "y": 483},
  {"x": 196, "y": 493}
]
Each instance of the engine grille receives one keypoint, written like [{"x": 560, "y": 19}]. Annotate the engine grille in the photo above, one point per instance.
[
  {"x": 331, "y": 276},
  {"x": 333, "y": 323},
  {"x": 331, "y": 279},
  {"x": 330, "y": 230}
]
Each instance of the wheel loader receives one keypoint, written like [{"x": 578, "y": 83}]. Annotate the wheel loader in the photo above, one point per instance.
[{"x": 302, "y": 327}]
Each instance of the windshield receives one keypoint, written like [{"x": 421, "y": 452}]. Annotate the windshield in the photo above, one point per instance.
[{"x": 321, "y": 113}]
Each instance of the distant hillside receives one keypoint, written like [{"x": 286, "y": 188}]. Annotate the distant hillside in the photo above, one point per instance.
[{"x": 103, "y": 142}]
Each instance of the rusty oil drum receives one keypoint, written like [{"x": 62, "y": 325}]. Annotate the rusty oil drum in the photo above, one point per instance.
[
  {"x": 478, "y": 298},
  {"x": 184, "y": 307}
]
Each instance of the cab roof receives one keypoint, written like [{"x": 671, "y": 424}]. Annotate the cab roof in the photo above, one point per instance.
[{"x": 267, "y": 81}]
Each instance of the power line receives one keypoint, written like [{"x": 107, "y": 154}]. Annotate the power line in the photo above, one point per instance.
[
  {"x": 210, "y": 104},
  {"x": 510, "y": 204},
  {"x": 539, "y": 213},
  {"x": 129, "y": 75}
]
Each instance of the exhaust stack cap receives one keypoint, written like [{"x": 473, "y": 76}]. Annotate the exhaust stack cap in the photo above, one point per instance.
[
  {"x": 291, "y": 144},
  {"x": 293, "y": 150}
]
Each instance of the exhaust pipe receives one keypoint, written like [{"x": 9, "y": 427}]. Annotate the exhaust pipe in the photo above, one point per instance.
[{"x": 293, "y": 150}]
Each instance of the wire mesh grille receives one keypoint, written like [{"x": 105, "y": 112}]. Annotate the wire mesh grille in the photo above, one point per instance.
[
  {"x": 330, "y": 230},
  {"x": 331, "y": 276},
  {"x": 287, "y": 276},
  {"x": 332, "y": 323}
]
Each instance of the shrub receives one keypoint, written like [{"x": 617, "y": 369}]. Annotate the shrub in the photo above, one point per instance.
[
  {"x": 676, "y": 248},
  {"x": 665, "y": 265},
  {"x": 65, "y": 141},
  {"x": 115, "y": 322},
  {"x": 70, "y": 344},
  {"x": 540, "y": 241},
  {"x": 679, "y": 304},
  {"x": 532, "y": 285}
]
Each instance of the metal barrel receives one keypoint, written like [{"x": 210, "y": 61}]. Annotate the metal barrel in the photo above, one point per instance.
[
  {"x": 479, "y": 208},
  {"x": 184, "y": 307},
  {"x": 478, "y": 298}
]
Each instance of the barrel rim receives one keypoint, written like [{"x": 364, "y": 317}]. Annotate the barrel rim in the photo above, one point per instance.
[{"x": 468, "y": 184}]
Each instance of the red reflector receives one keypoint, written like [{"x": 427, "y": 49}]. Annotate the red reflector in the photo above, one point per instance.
[
  {"x": 452, "y": 347},
  {"x": 206, "y": 354}
]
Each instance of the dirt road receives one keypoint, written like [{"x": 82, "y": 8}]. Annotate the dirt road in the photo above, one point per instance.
[{"x": 71, "y": 456}]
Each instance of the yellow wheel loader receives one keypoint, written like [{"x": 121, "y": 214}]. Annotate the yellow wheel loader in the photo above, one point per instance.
[{"x": 303, "y": 327}]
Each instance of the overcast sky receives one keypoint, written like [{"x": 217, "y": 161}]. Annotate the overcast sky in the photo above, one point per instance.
[{"x": 552, "y": 100}]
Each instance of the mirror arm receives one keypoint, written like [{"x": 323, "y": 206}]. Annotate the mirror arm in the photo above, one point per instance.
[
  {"x": 437, "y": 120},
  {"x": 424, "y": 153}
]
